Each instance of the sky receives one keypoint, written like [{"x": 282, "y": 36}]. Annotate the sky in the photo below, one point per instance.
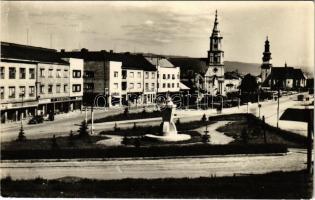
[{"x": 174, "y": 28}]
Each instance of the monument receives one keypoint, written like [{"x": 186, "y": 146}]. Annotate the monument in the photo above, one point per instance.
[{"x": 169, "y": 131}]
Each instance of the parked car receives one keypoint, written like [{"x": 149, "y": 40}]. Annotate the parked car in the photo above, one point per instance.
[
  {"x": 300, "y": 97},
  {"x": 36, "y": 119}
]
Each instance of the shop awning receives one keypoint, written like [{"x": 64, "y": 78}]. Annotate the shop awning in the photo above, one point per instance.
[{"x": 182, "y": 86}]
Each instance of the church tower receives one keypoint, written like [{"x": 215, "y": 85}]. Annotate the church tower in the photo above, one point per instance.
[
  {"x": 215, "y": 74},
  {"x": 266, "y": 65}
]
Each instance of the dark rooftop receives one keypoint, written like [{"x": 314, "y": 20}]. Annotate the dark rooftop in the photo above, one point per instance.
[
  {"x": 198, "y": 65},
  {"x": 129, "y": 61},
  {"x": 30, "y": 53}
]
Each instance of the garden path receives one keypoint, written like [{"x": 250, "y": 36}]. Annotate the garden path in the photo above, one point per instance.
[{"x": 215, "y": 136}]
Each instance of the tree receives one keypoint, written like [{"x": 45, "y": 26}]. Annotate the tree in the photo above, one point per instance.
[
  {"x": 126, "y": 112},
  {"x": 21, "y": 136},
  {"x": 249, "y": 86},
  {"x": 137, "y": 142},
  {"x": 83, "y": 130},
  {"x": 54, "y": 143},
  {"x": 71, "y": 138},
  {"x": 134, "y": 126}
]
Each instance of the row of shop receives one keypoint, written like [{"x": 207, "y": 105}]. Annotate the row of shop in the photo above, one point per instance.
[{"x": 13, "y": 112}]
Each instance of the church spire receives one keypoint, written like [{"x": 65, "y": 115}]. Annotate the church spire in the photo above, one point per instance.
[{"x": 215, "y": 30}]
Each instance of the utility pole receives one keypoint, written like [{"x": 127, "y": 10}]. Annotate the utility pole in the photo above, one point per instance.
[{"x": 278, "y": 107}]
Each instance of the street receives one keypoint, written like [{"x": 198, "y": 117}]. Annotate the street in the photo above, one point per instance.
[
  {"x": 64, "y": 124},
  {"x": 180, "y": 167}
]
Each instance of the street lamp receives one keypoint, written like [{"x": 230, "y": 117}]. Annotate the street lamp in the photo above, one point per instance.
[{"x": 22, "y": 95}]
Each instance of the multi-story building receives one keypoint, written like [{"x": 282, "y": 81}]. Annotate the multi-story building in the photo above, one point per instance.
[
  {"x": 232, "y": 81},
  {"x": 168, "y": 76},
  {"x": 34, "y": 81},
  {"x": 116, "y": 78}
]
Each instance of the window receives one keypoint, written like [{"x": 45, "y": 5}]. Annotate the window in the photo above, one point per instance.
[
  {"x": 173, "y": 76},
  {"x": 177, "y": 76},
  {"x": 42, "y": 89},
  {"x": 58, "y": 75},
  {"x": 152, "y": 86},
  {"x": 124, "y": 74},
  {"x": 116, "y": 86},
  {"x": 139, "y": 85},
  {"x": 115, "y": 74},
  {"x": 2, "y": 73},
  {"x": 164, "y": 85},
  {"x": 124, "y": 86},
  {"x": 22, "y": 91},
  {"x": 178, "y": 85},
  {"x": 22, "y": 73},
  {"x": 76, "y": 74},
  {"x": 132, "y": 75},
  {"x": 153, "y": 75},
  {"x": 88, "y": 86},
  {"x": 50, "y": 73},
  {"x": 58, "y": 88},
  {"x": 131, "y": 85},
  {"x": 168, "y": 76},
  {"x": 146, "y": 75},
  {"x": 65, "y": 73},
  {"x": 31, "y": 91},
  {"x": 2, "y": 92},
  {"x": 50, "y": 88},
  {"x": 215, "y": 46},
  {"x": 11, "y": 92},
  {"x": 12, "y": 72},
  {"x": 139, "y": 75},
  {"x": 146, "y": 86},
  {"x": 65, "y": 88},
  {"x": 76, "y": 88},
  {"x": 168, "y": 85},
  {"x": 164, "y": 76},
  {"x": 42, "y": 73},
  {"x": 32, "y": 73},
  {"x": 173, "y": 85}
]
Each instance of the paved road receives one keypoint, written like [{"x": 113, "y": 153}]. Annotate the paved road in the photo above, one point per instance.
[
  {"x": 156, "y": 168},
  {"x": 64, "y": 124}
]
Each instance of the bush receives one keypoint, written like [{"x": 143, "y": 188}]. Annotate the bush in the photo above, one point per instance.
[
  {"x": 204, "y": 118},
  {"x": 116, "y": 128}
]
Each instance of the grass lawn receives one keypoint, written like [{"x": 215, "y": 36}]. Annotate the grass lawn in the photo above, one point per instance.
[
  {"x": 254, "y": 129},
  {"x": 276, "y": 185}
]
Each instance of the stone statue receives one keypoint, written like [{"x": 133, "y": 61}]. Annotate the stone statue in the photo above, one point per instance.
[
  {"x": 169, "y": 131},
  {"x": 169, "y": 127}
]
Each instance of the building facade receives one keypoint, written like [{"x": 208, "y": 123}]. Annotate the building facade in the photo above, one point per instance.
[
  {"x": 35, "y": 81},
  {"x": 168, "y": 75}
]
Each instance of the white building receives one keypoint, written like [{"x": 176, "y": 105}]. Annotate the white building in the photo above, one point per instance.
[{"x": 168, "y": 76}]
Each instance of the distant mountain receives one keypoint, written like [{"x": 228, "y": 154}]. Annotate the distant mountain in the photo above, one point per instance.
[{"x": 242, "y": 67}]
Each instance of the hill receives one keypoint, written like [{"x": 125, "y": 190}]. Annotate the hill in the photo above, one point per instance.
[{"x": 242, "y": 67}]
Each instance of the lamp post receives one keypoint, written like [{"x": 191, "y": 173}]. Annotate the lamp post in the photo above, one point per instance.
[{"x": 22, "y": 95}]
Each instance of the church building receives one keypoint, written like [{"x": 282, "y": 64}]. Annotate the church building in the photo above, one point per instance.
[{"x": 214, "y": 77}]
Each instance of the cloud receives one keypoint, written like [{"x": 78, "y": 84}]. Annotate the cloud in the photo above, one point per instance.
[{"x": 149, "y": 22}]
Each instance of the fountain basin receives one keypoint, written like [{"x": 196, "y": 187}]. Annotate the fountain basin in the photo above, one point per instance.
[{"x": 169, "y": 138}]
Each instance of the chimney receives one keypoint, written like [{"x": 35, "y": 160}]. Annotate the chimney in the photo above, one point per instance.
[
  {"x": 62, "y": 50},
  {"x": 111, "y": 51}
]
